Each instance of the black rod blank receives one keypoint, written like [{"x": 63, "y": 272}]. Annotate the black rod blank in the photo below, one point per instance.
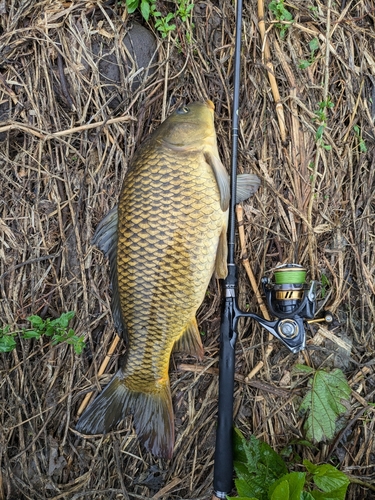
[{"x": 223, "y": 467}]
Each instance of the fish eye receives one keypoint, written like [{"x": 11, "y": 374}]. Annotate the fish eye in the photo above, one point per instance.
[{"x": 182, "y": 110}]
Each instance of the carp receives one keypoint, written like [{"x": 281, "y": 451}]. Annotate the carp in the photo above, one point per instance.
[{"x": 164, "y": 241}]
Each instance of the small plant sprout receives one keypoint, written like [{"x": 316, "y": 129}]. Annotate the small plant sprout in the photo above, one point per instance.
[
  {"x": 321, "y": 117},
  {"x": 361, "y": 143},
  {"x": 313, "y": 46},
  {"x": 281, "y": 13}
]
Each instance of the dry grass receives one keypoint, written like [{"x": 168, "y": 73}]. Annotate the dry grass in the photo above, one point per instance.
[{"x": 315, "y": 207}]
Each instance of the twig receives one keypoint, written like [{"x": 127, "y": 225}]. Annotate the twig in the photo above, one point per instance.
[
  {"x": 164, "y": 109},
  {"x": 257, "y": 384},
  {"x": 46, "y": 135}
]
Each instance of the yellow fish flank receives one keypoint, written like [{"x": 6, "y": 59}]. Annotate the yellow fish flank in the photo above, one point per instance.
[{"x": 164, "y": 241}]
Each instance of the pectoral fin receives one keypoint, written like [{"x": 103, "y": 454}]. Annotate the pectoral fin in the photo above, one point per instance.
[
  {"x": 247, "y": 185},
  {"x": 190, "y": 342},
  {"x": 222, "y": 179},
  {"x": 105, "y": 238},
  {"x": 221, "y": 267}
]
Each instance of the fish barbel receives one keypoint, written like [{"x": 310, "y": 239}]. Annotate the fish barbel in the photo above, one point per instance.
[{"x": 164, "y": 242}]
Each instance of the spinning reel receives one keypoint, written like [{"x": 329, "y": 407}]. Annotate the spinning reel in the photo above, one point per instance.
[{"x": 293, "y": 301}]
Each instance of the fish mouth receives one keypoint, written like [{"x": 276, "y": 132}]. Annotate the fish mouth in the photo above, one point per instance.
[{"x": 210, "y": 104}]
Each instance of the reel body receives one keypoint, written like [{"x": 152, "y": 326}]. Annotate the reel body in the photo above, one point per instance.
[{"x": 290, "y": 299}]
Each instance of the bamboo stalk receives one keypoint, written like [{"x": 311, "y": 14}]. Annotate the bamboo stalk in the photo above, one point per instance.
[{"x": 271, "y": 73}]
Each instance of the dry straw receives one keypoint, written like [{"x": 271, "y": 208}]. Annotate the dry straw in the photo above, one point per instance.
[{"x": 64, "y": 153}]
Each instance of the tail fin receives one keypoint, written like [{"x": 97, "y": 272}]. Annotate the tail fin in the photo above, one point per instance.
[{"x": 153, "y": 415}]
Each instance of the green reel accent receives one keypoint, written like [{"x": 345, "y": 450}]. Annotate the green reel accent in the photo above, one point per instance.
[{"x": 290, "y": 276}]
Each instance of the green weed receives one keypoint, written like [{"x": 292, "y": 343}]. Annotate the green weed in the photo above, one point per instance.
[
  {"x": 313, "y": 46},
  {"x": 58, "y": 329},
  {"x": 321, "y": 117},
  {"x": 281, "y": 13},
  {"x": 164, "y": 24},
  {"x": 361, "y": 143},
  {"x": 263, "y": 475}
]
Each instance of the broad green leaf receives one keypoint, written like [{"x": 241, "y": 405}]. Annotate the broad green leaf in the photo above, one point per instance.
[
  {"x": 338, "y": 494},
  {"x": 145, "y": 9},
  {"x": 241, "y": 498},
  {"x": 328, "y": 478},
  {"x": 331, "y": 481},
  {"x": 239, "y": 443},
  {"x": 305, "y": 495},
  {"x": 323, "y": 404},
  {"x": 247, "y": 490},
  {"x": 296, "y": 482},
  {"x": 63, "y": 320},
  {"x": 281, "y": 492}
]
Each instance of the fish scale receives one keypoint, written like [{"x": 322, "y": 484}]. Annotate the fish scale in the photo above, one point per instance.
[{"x": 164, "y": 242}]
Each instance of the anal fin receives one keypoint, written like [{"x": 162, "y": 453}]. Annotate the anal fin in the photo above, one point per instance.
[{"x": 190, "y": 342}]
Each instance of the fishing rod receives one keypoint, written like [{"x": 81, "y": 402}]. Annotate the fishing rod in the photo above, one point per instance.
[{"x": 289, "y": 299}]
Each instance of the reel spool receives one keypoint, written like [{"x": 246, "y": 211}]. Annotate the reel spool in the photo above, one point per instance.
[{"x": 289, "y": 295}]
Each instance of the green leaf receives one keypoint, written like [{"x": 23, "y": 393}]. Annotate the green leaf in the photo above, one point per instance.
[
  {"x": 63, "y": 320},
  {"x": 305, "y": 495},
  {"x": 244, "y": 489},
  {"x": 296, "y": 482},
  {"x": 239, "y": 443},
  {"x": 145, "y": 9},
  {"x": 314, "y": 44},
  {"x": 132, "y": 5},
  {"x": 242, "y": 498},
  {"x": 304, "y": 64},
  {"x": 303, "y": 369},
  {"x": 259, "y": 466},
  {"x": 36, "y": 322},
  {"x": 31, "y": 334},
  {"x": 319, "y": 132},
  {"x": 323, "y": 404},
  {"x": 281, "y": 492},
  {"x": 7, "y": 343},
  {"x": 326, "y": 476}
]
